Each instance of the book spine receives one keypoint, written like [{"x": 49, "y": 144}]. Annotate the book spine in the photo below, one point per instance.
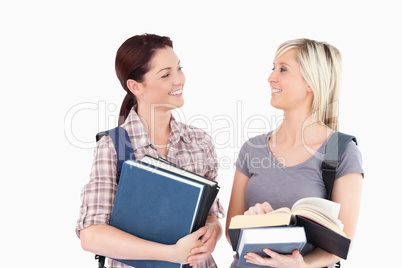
[{"x": 209, "y": 196}]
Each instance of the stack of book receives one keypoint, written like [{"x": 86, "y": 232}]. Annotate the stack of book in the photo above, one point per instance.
[
  {"x": 161, "y": 202},
  {"x": 313, "y": 220}
]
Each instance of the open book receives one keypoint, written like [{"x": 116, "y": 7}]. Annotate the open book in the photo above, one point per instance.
[
  {"x": 318, "y": 216},
  {"x": 322, "y": 211}
]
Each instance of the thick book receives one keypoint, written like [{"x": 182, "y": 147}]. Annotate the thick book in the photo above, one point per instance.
[
  {"x": 159, "y": 205},
  {"x": 318, "y": 216},
  {"x": 211, "y": 186},
  {"x": 283, "y": 240}
]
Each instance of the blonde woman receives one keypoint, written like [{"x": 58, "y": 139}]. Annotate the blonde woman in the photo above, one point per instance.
[{"x": 278, "y": 168}]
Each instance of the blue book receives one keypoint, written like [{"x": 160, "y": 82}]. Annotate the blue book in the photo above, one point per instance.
[
  {"x": 160, "y": 204},
  {"x": 283, "y": 240}
]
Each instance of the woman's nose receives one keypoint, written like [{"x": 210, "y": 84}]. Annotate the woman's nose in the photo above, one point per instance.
[
  {"x": 272, "y": 77},
  {"x": 179, "y": 79}
]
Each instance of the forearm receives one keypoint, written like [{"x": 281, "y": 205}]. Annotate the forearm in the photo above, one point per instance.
[
  {"x": 213, "y": 222},
  {"x": 320, "y": 258},
  {"x": 108, "y": 241}
]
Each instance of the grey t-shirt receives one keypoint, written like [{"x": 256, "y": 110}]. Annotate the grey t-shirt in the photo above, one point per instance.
[{"x": 282, "y": 186}]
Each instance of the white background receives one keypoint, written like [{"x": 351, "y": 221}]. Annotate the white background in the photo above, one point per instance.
[{"x": 58, "y": 89}]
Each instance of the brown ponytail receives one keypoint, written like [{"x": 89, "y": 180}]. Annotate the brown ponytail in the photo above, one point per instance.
[
  {"x": 128, "y": 102},
  {"x": 133, "y": 62}
]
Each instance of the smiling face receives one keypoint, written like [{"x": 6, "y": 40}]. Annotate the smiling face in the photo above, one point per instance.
[
  {"x": 163, "y": 83},
  {"x": 289, "y": 90}
]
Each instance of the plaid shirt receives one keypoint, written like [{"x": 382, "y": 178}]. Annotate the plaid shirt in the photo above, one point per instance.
[{"x": 188, "y": 147}]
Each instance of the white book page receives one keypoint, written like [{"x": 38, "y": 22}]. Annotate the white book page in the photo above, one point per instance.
[
  {"x": 329, "y": 206},
  {"x": 182, "y": 172}
]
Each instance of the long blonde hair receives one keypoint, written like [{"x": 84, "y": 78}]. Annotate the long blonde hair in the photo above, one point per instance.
[{"x": 320, "y": 65}]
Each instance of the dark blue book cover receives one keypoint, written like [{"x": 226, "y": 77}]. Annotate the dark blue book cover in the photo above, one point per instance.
[
  {"x": 283, "y": 240},
  {"x": 155, "y": 205}
]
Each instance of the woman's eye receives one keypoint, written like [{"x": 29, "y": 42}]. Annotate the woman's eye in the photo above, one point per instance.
[
  {"x": 166, "y": 75},
  {"x": 280, "y": 69},
  {"x": 180, "y": 68}
]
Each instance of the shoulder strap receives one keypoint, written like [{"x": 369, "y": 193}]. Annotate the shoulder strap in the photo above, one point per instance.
[
  {"x": 125, "y": 151},
  {"x": 122, "y": 143},
  {"x": 333, "y": 152}
]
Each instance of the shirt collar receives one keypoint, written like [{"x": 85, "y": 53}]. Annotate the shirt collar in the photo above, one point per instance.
[
  {"x": 177, "y": 132},
  {"x": 139, "y": 135}
]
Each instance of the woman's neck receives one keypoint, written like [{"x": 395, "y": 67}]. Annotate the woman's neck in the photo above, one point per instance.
[
  {"x": 157, "y": 124},
  {"x": 299, "y": 129}
]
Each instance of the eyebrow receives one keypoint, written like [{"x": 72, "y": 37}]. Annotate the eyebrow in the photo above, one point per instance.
[
  {"x": 283, "y": 63},
  {"x": 167, "y": 68}
]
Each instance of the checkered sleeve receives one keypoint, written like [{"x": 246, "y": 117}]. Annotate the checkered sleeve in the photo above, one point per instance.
[
  {"x": 98, "y": 194},
  {"x": 212, "y": 173}
]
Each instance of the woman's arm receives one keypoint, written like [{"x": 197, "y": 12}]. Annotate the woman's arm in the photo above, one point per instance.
[
  {"x": 237, "y": 202},
  {"x": 209, "y": 240},
  {"x": 347, "y": 191},
  {"x": 109, "y": 241}
]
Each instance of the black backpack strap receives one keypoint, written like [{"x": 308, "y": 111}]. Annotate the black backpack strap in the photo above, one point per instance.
[
  {"x": 125, "y": 151},
  {"x": 333, "y": 152},
  {"x": 101, "y": 261}
]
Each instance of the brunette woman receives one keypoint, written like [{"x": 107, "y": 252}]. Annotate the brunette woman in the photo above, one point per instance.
[{"x": 151, "y": 74}]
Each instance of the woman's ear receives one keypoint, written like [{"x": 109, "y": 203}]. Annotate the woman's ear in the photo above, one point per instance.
[
  {"x": 309, "y": 89},
  {"x": 134, "y": 87}
]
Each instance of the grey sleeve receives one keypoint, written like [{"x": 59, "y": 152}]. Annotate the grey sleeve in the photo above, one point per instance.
[
  {"x": 351, "y": 161},
  {"x": 242, "y": 163}
]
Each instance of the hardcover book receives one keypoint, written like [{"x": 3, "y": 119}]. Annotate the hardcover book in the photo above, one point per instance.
[
  {"x": 160, "y": 205},
  {"x": 283, "y": 240},
  {"x": 318, "y": 216}
]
